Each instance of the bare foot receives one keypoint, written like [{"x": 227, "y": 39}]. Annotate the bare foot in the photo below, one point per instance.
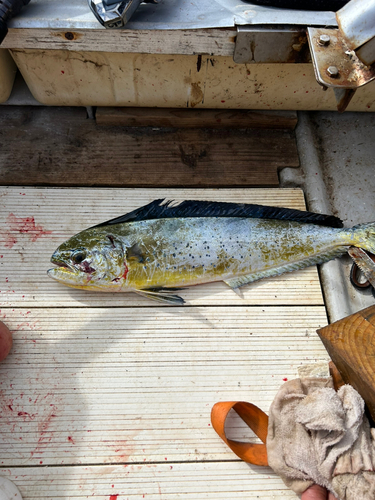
[{"x": 6, "y": 341}]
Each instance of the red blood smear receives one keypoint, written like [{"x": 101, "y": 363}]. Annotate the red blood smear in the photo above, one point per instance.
[
  {"x": 113, "y": 497},
  {"x": 71, "y": 439},
  {"x": 23, "y": 225},
  {"x": 126, "y": 271},
  {"x": 285, "y": 379}
]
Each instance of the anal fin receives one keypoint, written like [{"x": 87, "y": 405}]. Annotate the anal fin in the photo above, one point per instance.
[{"x": 285, "y": 268}]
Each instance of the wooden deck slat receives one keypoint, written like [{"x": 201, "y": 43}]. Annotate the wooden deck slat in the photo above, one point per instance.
[
  {"x": 195, "y": 118},
  {"x": 56, "y": 214},
  {"x": 60, "y": 147},
  {"x": 198, "y": 481},
  {"x": 132, "y": 370}
]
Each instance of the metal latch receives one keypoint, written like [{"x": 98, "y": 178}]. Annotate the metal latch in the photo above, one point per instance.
[
  {"x": 115, "y": 14},
  {"x": 344, "y": 58}
]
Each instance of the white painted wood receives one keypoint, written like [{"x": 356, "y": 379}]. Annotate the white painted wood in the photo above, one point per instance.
[
  {"x": 26, "y": 215},
  {"x": 196, "y": 481},
  {"x": 97, "y": 78},
  {"x": 214, "y": 42},
  {"x": 110, "y": 385}
]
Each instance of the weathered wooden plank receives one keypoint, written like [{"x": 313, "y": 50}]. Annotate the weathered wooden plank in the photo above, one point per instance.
[
  {"x": 215, "y": 42},
  {"x": 190, "y": 481},
  {"x": 125, "y": 385},
  {"x": 195, "y": 118},
  {"x": 34, "y": 221},
  {"x": 60, "y": 147}
]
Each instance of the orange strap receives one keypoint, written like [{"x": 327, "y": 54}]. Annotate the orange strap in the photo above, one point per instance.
[{"x": 255, "y": 418}]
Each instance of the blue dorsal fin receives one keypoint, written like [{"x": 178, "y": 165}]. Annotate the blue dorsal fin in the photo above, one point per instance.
[{"x": 162, "y": 209}]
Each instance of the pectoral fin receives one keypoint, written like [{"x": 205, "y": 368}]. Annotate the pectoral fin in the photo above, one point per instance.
[
  {"x": 134, "y": 253},
  {"x": 163, "y": 295}
]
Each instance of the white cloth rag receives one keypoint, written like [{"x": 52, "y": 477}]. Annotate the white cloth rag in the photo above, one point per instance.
[{"x": 318, "y": 435}]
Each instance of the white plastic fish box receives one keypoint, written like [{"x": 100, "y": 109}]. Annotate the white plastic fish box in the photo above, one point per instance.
[
  {"x": 7, "y": 74},
  {"x": 67, "y": 58}
]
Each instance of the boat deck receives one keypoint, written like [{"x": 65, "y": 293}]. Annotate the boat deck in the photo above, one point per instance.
[{"x": 109, "y": 395}]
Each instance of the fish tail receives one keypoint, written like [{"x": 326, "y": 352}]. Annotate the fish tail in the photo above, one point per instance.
[{"x": 363, "y": 236}]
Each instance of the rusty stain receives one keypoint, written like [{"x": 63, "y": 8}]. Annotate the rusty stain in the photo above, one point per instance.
[
  {"x": 299, "y": 50},
  {"x": 196, "y": 95},
  {"x": 71, "y": 36}
]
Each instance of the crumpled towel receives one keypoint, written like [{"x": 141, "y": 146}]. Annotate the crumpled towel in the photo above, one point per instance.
[{"x": 318, "y": 435}]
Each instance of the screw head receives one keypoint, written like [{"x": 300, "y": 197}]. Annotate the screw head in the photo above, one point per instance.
[
  {"x": 324, "y": 40},
  {"x": 333, "y": 72}
]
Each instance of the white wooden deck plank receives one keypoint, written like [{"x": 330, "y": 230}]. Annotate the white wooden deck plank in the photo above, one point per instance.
[
  {"x": 196, "y": 481},
  {"x": 34, "y": 221},
  {"x": 113, "y": 385}
]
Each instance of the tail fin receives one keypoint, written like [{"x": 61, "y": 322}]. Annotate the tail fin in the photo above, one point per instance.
[{"x": 364, "y": 236}]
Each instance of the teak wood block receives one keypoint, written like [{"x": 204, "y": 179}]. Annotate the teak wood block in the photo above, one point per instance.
[{"x": 351, "y": 344}]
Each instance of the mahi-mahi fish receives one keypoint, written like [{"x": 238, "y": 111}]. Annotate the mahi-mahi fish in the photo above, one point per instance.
[{"x": 161, "y": 247}]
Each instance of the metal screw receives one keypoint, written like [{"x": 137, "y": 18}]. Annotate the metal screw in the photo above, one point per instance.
[
  {"x": 324, "y": 40},
  {"x": 333, "y": 72}
]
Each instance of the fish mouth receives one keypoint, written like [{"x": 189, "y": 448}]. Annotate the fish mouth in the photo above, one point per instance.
[
  {"x": 63, "y": 270},
  {"x": 63, "y": 265},
  {"x": 68, "y": 275}
]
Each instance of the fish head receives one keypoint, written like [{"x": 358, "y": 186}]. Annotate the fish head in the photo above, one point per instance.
[{"x": 90, "y": 260}]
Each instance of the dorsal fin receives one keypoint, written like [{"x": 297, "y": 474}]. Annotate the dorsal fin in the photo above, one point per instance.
[{"x": 162, "y": 209}]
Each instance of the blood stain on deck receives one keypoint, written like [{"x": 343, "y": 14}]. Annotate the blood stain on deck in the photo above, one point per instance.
[{"x": 22, "y": 225}]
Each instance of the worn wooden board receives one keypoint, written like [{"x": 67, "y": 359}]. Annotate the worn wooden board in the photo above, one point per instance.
[
  {"x": 34, "y": 221},
  {"x": 197, "y": 481},
  {"x": 129, "y": 385},
  {"x": 61, "y": 147},
  {"x": 214, "y": 42},
  {"x": 112, "y": 392},
  {"x": 195, "y": 118}
]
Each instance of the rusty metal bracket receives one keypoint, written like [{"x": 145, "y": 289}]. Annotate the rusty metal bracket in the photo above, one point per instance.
[{"x": 336, "y": 65}]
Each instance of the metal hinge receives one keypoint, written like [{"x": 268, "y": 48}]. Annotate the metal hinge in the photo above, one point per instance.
[{"x": 344, "y": 58}]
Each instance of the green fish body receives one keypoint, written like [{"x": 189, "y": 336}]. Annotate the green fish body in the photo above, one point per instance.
[{"x": 159, "y": 248}]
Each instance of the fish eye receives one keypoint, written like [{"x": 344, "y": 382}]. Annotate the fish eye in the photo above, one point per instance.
[{"x": 78, "y": 256}]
